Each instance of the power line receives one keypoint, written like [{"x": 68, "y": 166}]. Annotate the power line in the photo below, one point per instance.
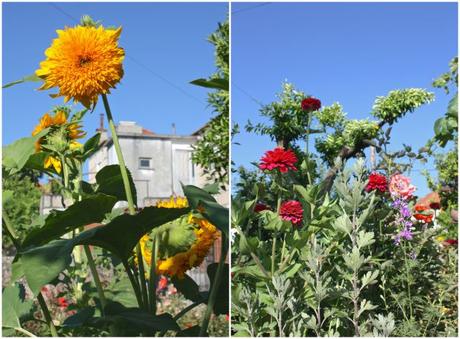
[
  {"x": 251, "y": 8},
  {"x": 152, "y": 72},
  {"x": 247, "y": 94}
]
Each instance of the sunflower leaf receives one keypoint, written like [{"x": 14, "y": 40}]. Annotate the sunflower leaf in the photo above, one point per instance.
[{"x": 28, "y": 78}]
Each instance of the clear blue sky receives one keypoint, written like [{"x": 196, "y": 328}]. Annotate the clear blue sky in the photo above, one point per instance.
[
  {"x": 170, "y": 39},
  {"x": 350, "y": 53}
]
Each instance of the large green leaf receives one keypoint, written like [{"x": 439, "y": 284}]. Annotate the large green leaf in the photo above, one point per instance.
[
  {"x": 110, "y": 181},
  {"x": 217, "y": 215},
  {"x": 91, "y": 146},
  {"x": 140, "y": 320},
  {"x": 15, "y": 155},
  {"x": 28, "y": 78},
  {"x": 89, "y": 210},
  {"x": 119, "y": 236},
  {"x": 196, "y": 195},
  {"x": 188, "y": 287},
  {"x": 217, "y": 83},
  {"x": 222, "y": 305},
  {"x": 15, "y": 308},
  {"x": 193, "y": 331}
]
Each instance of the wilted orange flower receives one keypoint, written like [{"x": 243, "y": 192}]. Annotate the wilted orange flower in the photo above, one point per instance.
[{"x": 83, "y": 62}]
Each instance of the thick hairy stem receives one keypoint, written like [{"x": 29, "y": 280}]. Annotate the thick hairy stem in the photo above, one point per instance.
[
  {"x": 129, "y": 194},
  {"x": 215, "y": 287},
  {"x": 153, "y": 276}
]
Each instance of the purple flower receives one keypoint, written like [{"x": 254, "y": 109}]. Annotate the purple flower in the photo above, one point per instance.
[
  {"x": 406, "y": 233},
  {"x": 405, "y": 211}
]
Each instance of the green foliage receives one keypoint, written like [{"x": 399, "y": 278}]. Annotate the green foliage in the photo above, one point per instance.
[
  {"x": 211, "y": 151},
  {"x": 399, "y": 102},
  {"x": 23, "y": 205},
  {"x": 288, "y": 121},
  {"x": 331, "y": 116},
  {"x": 16, "y": 309}
]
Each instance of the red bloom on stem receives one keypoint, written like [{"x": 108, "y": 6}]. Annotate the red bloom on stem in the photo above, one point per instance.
[
  {"x": 227, "y": 317},
  {"x": 278, "y": 158},
  {"x": 435, "y": 205},
  {"x": 311, "y": 104},
  {"x": 451, "y": 242},
  {"x": 62, "y": 302},
  {"x": 292, "y": 211},
  {"x": 426, "y": 218},
  {"x": 261, "y": 207},
  {"x": 377, "y": 182}
]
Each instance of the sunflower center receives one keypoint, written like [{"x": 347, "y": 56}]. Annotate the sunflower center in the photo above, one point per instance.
[{"x": 83, "y": 60}]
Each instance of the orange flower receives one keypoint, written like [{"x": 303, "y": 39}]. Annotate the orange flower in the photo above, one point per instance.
[{"x": 426, "y": 218}]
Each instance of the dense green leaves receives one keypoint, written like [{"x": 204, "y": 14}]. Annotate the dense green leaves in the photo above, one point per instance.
[{"x": 118, "y": 236}]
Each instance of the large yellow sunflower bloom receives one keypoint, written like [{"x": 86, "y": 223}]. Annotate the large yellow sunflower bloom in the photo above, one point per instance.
[
  {"x": 73, "y": 132},
  {"x": 83, "y": 62},
  {"x": 178, "y": 264}
]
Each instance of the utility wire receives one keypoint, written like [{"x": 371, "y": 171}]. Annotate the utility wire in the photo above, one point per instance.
[
  {"x": 247, "y": 94},
  {"x": 152, "y": 72},
  {"x": 251, "y": 8}
]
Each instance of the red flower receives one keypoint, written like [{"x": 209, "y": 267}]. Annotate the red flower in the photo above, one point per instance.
[
  {"x": 278, "y": 158},
  {"x": 292, "y": 211},
  {"x": 62, "y": 302},
  {"x": 311, "y": 104},
  {"x": 377, "y": 182},
  {"x": 426, "y": 218},
  {"x": 227, "y": 317},
  {"x": 435, "y": 205},
  {"x": 451, "y": 242},
  {"x": 261, "y": 207},
  {"x": 162, "y": 283}
]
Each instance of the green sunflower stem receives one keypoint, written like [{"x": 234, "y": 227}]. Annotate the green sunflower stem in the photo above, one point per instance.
[
  {"x": 215, "y": 287},
  {"x": 134, "y": 284},
  {"x": 46, "y": 313},
  {"x": 153, "y": 276},
  {"x": 97, "y": 281},
  {"x": 129, "y": 194}
]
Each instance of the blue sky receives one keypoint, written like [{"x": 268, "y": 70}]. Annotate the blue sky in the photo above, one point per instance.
[
  {"x": 170, "y": 39},
  {"x": 349, "y": 52}
]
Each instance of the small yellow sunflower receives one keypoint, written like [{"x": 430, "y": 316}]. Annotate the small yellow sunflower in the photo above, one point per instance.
[
  {"x": 83, "y": 62},
  {"x": 178, "y": 264},
  {"x": 72, "y": 129}
]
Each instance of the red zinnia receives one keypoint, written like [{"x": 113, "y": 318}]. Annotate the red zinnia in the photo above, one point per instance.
[
  {"x": 292, "y": 211},
  {"x": 278, "y": 158},
  {"x": 261, "y": 207},
  {"x": 451, "y": 242},
  {"x": 311, "y": 104},
  {"x": 377, "y": 182},
  {"x": 426, "y": 218}
]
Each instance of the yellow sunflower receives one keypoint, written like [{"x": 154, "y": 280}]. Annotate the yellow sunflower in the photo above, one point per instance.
[
  {"x": 73, "y": 132},
  {"x": 178, "y": 264},
  {"x": 83, "y": 62}
]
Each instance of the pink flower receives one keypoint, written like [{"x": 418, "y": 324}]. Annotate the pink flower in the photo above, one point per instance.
[{"x": 400, "y": 186}]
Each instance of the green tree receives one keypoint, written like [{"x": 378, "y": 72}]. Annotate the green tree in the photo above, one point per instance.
[{"x": 211, "y": 152}]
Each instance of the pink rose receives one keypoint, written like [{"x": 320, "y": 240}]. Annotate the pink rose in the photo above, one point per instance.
[{"x": 400, "y": 186}]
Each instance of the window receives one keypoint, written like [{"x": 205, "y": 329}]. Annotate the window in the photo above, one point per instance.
[{"x": 145, "y": 163}]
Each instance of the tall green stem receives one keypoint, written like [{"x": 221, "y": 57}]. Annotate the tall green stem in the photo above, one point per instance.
[
  {"x": 129, "y": 194},
  {"x": 153, "y": 276},
  {"x": 97, "y": 281},
  {"x": 307, "y": 150},
  {"x": 215, "y": 287},
  {"x": 134, "y": 284},
  {"x": 407, "y": 280},
  {"x": 47, "y": 314},
  {"x": 41, "y": 300},
  {"x": 273, "y": 254}
]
